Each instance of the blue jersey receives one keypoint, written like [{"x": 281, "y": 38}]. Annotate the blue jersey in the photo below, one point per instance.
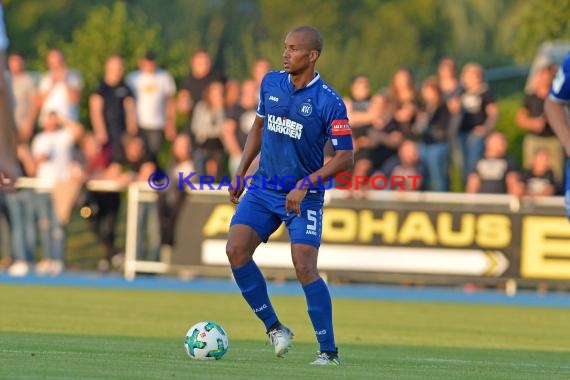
[
  {"x": 297, "y": 125},
  {"x": 560, "y": 89},
  {"x": 560, "y": 92}
]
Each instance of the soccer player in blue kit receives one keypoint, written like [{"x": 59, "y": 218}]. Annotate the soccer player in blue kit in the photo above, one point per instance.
[
  {"x": 297, "y": 113},
  {"x": 555, "y": 111}
]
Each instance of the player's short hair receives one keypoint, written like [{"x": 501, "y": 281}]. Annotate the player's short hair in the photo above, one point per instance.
[{"x": 317, "y": 42}]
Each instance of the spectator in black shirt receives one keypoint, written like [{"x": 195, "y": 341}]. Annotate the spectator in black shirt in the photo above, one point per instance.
[
  {"x": 387, "y": 134},
  {"x": 361, "y": 113},
  {"x": 407, "y": 164},
  {"x": 539, "y": 180},
  {"x": 405, "y": 96},
  {"x": 496, "y": 172},
  {"x": 530, "y": 117},
  {"x": 480, "y": 114},
  {"x": 112, "y": 109},
  {"x": 194, "y": 86},
  {"x": 447, "y": 79},
  {"x": 432, "y": 126}
]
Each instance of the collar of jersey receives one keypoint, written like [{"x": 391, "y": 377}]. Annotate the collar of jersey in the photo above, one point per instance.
[{"x": 315, "y": 79}]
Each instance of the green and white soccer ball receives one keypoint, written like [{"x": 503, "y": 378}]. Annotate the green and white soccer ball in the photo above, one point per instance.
[{"x": 205, "y": 341}]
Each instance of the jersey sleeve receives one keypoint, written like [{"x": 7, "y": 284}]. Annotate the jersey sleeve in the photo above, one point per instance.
[
  {"x": 338, "y": 126},
  {"x": 260, "y": 111},
  {"x": 560, "y": 89}
]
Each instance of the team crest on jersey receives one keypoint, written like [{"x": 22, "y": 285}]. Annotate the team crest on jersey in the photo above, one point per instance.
[{"x": 306, "y": 109}]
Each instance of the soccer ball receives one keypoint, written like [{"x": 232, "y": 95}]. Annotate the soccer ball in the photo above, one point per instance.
[{"x": 206, "y": 340}]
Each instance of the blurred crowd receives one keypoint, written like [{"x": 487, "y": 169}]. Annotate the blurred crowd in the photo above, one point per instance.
[
  {"x": 407, "y": 128},
  {"x": 448, "y": 122}
]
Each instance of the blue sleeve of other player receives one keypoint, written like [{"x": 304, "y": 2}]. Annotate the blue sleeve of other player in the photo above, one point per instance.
[
  {"x": 338, "y": 127},
  {"x": 260, "y": 111},
  {"x": 560, "y": 89}
]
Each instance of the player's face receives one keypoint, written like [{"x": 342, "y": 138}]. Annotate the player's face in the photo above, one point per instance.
[{"x": 297, "y": 53}]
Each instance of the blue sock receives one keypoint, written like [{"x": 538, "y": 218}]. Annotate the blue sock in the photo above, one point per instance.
[
  {"x": 320, "y": 310},
  {"x": 254, "y": 289}
]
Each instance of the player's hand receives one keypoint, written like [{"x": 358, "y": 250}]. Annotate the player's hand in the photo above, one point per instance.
[
  {"x": 236, "y": 190},
  {"x": 293, "y": 201}
]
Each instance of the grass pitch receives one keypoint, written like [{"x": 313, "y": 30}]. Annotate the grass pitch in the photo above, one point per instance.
[{"x": 75, "y": 333}]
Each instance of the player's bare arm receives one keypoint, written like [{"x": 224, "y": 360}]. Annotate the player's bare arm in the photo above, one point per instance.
[
  {"x": 343, "y": 160},
  {"x": 557, "y": 119},
  {"x": 250, "y": 151}
]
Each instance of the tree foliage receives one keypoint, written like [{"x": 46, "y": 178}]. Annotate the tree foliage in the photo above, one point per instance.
[{"x": 534, "y": 22}]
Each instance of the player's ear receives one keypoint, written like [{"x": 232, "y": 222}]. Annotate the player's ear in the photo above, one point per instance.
[{"x": 313, "y": 55}]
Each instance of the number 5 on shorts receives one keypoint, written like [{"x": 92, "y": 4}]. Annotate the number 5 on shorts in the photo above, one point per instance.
[{"x": 312, "y": 217}]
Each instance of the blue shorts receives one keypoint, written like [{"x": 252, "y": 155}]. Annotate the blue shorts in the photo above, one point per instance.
[{"x": 264, "y": 210}]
